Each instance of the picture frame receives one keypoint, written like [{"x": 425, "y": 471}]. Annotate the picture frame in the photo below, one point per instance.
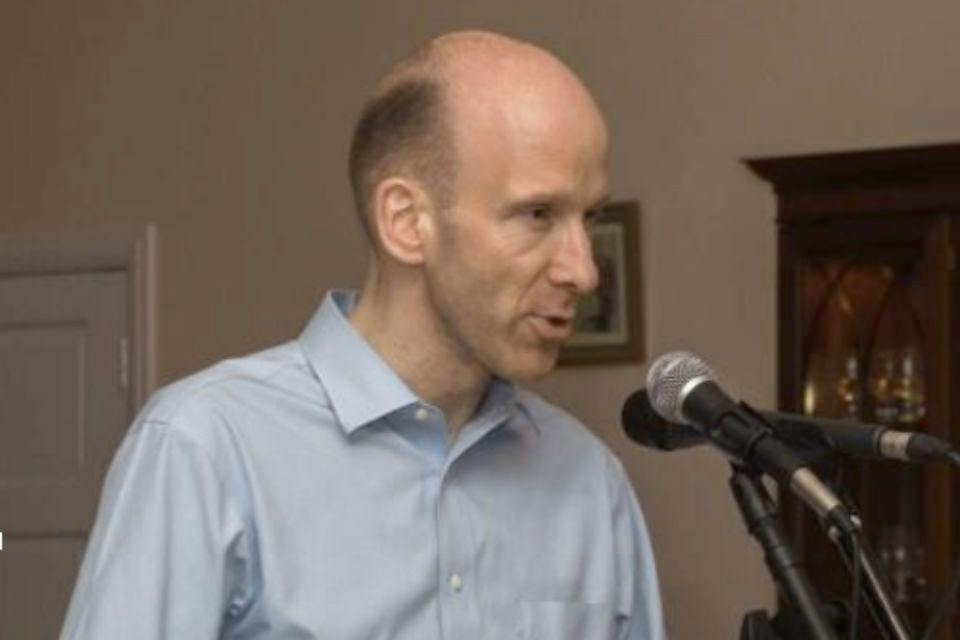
[{"x": 608, "y": 327}]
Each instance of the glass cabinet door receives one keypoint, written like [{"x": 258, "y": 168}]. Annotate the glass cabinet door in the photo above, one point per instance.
[
  {"x": 868, "y": 318},
  {"x": 863, "y": 359}
]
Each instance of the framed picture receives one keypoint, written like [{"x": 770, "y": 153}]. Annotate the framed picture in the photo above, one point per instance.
[{"x": 609, "y": 323}]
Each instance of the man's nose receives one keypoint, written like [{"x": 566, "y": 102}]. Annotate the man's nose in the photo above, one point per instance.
[{"x": 573, "y": 264}]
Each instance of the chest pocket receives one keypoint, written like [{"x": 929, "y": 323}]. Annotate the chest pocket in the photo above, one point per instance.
[{"x": 566, "y": 620}]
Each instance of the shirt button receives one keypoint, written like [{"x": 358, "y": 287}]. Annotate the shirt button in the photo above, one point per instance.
[
  {"x": 422, "y": 414},
  {"x": 456, "y": 582}
]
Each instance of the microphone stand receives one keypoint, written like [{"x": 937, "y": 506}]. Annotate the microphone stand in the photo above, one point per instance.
[
  {"x": 859, "y": 557},
  {"x": 879, "y": 600},
  {"x": 761, "y": 519}
]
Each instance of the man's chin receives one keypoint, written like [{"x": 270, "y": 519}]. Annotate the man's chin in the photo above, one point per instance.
[{"x": 532, "y": 365}]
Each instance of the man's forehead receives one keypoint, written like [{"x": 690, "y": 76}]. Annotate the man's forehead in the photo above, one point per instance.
[
  {"x": 508, "y": 74},
  {"x": 526, "y": 118}
]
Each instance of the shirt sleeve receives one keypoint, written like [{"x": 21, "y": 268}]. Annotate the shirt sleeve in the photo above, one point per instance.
[
  {"x": 157, "y": 565},
  {"x": 640, "y": 585}
]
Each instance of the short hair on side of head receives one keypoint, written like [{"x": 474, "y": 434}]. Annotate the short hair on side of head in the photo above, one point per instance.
[{"x": 403, "y": 130}]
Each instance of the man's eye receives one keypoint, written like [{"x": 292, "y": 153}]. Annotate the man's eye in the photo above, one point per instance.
[{"x": 540, "y": 214}]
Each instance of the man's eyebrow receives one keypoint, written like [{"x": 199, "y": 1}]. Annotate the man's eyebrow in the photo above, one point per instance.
[
  {"x": 551, "y": 198},
  {"x": 539, "y": 196}
]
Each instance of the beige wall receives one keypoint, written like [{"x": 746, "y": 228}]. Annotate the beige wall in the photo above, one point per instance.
[{"x": 226, "y": 123}]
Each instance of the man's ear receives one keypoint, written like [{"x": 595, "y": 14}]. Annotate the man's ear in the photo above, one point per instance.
[{"x": 401, "y": 212}]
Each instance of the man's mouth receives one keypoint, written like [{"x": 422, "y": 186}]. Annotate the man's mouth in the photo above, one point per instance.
[{"x": 553, "y": 327}]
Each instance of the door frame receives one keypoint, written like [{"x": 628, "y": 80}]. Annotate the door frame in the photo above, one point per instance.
[{"x": 131, "y": 249}]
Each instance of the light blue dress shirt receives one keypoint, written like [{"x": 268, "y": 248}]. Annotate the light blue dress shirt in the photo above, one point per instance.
[{"x": 306, "y": 493}]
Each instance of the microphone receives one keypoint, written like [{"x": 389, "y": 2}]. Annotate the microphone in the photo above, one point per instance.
[
  {"x": 647, "y": 427},
  {"x": 681, "y": 388},
  {"x": 866, "y": 440}
]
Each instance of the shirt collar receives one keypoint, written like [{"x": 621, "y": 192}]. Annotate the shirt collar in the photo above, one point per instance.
[
  {"x": 498, "y": 401},
  {"x": 361, "y": 386}
]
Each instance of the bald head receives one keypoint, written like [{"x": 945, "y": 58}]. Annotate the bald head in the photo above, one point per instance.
[{"x": 452, "y": 94}]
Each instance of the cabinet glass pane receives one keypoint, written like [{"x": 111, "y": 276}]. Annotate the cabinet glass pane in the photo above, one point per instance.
[{"x": 863, "y": 359}]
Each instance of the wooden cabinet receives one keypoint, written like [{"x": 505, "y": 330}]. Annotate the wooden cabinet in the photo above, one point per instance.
[{"x": 869, "y": 327}]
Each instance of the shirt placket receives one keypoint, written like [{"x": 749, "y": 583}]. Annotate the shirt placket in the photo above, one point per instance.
[
  {"x": 458, "y": 603},
  {"x": 456, "y": 589}
]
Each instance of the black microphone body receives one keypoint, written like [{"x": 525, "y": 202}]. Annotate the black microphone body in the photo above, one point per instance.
[
  {"x": 647, "y": 427},
  {"x": 740, "y": 432},
  {"x": 681, "y": 388},
  {"x": 866, "y": 440}
]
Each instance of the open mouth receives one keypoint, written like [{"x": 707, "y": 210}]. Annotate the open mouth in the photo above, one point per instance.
[{"x": 553, "y": 327}]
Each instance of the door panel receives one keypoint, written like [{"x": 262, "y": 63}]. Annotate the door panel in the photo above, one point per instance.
[{"x": 63, "y": 409}]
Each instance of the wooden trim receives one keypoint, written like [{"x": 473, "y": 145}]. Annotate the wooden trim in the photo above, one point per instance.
[{"x": 845, "y": 169}]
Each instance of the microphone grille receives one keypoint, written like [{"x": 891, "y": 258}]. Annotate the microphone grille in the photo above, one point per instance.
[{"x": 667, "y": 377}]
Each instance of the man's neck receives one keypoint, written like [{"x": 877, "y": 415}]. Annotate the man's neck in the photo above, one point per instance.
[{"x": 399, "y": 327}]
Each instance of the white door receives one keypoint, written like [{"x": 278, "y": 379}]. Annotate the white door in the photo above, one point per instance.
[{"x": 65, "y": 402}]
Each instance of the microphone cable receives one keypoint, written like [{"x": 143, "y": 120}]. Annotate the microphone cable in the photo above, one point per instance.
[{"x": 857, "y": 587}]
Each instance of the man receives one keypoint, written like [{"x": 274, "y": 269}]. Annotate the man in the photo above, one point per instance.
[{"x": 381, "y": 477}]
